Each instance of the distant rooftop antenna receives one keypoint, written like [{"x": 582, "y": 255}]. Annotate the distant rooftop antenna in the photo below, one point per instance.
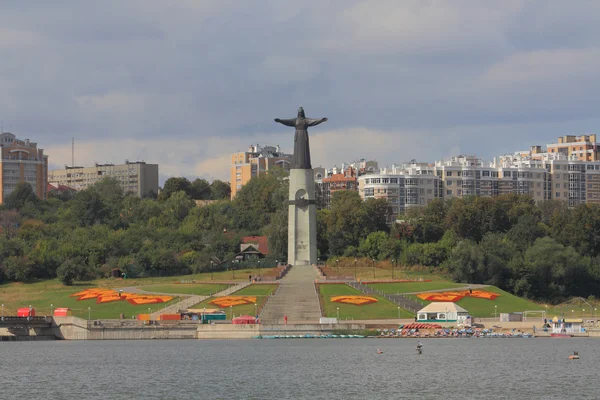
[{"x": 72, "y": 152}]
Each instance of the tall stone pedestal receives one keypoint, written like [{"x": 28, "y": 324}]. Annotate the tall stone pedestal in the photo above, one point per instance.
[{"x": 302, "y": 218}]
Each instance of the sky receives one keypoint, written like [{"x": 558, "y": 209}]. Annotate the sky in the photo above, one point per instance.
[{"x": 185, "y": 83}]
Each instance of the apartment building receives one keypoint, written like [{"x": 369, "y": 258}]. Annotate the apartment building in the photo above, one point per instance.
[
  {"x": 135, "y": 177},
  {"x": 255, "y": 161},
  {"x": 581, "y": 148},
  {"x": 404, "y": 187},
  {"x": 331, "y": 180},
  {"x": 344, "y": 180},
  {"x": 22, "y": 161}
]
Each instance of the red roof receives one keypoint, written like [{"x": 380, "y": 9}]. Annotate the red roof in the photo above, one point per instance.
[
  {"x": 58, "y": 187},
  {"x": 261, "y": 241}
]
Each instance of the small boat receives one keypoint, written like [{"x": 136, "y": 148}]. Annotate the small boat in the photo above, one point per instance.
[
  {"x": 575, "y": 356},
  {"x": 379, "y": 351}
]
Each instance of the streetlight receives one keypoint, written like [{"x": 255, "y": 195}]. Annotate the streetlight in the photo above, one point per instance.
[
  {"x": 89, "y": 313},
  {"x": 337, "y": 266},
  {"x": 398, "y": 312},
  {"x": 338, "y": 313},
  {"x": 495, "y": 311},
  {"x": 255, "y": 309},
  {"x": 232, "y": 270},
  {"x": 594, "y": 311},
  {"x": 393, "y": 260},
  {"x": 355, "y": 260},
  {"x": 51, "y": 309},
  {"x": 373, "y": 268},
  {"x": 231, "y": 308},
  {"x": 149, "y": 311},
  {"x": 582, "y": 312},
  {"x": 211, "y": 270}
]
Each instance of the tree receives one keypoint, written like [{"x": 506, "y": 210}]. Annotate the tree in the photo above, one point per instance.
[
  {"x": 345, "y": 222},
  {"x": 525, "y": 232},
  {"x": 69, "y": 271},
  {"x": 377, "y": 214},
  {"x": 463, "y": 262},
  {"x": 200, "y": 189},
  {"x": 22, "y": 194},
  {"x": 88, "y": 208},
  {"x": 220, "y": 190},
  {"x": 373, "y": 245},
  {"x": 428, "y": 223},
  {"x": 173, "y": 185},
  {"x": 18, "y": 268},
  {"x": 9, "y": 223}
]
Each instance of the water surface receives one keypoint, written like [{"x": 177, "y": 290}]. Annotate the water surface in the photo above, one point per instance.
[{"x": 301, "y": 369}]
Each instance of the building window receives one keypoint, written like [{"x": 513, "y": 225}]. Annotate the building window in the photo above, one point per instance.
[
  {"x": 557, "y": 194},
  {"x": 449, "y": 173},
  {"x": 449, "y": 192},
  {"x": 448, "y": 183},
  {"x": 558, "y": 185}
]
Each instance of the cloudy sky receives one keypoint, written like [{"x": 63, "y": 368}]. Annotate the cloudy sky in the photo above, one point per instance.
[{"x": 184, "y": 83}]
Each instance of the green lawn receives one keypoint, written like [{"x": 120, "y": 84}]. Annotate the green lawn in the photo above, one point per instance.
[
  {"x": 483, "y": 308},
  {"x": 201, "y": 289},
  {"x": 41, "y": 295},
  {"x": 408, "y": 287},
  {"x": 383, "y": 309},
  {"x": 261, "y": 291}
]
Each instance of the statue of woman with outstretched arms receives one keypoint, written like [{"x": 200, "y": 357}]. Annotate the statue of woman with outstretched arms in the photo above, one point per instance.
[{"x": 301, "y": 158}]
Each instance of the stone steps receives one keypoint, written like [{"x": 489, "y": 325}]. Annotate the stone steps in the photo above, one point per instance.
[{"x": 296, "y": 298}]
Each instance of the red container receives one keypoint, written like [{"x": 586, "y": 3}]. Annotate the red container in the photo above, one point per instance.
[
  {"x": 170, "y": 317},
  {"x": 26, "y": 312}
]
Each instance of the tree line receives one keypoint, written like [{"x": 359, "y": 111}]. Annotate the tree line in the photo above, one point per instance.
[{"x": 542, "y": 250}]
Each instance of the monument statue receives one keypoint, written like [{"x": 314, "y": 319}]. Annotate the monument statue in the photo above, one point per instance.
[
  {"x": 301, "y": 158},
  {"x": 302, "y": 211}
]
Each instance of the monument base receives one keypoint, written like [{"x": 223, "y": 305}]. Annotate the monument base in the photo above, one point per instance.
[{"x": 302, "y": 218}]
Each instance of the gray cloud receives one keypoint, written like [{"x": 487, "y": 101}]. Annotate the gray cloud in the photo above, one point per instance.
[{"x": 483, "y": 77}]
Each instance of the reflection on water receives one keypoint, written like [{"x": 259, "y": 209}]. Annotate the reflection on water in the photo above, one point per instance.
[{"x": 301, "y": 368}]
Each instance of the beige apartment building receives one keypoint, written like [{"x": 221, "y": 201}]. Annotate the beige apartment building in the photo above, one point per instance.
[
  {"x": 257, "y": 160},
  {"x": 553, "y": 176},
  {"x": 22, "y": 161},
  {"x": 136, "y": 177}
]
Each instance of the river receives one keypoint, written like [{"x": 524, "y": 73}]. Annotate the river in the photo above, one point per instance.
[{"x": 301, "y": 369}]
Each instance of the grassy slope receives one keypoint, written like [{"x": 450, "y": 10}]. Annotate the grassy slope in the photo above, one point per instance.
[
  {"x": 42, "y": 294},
  {"x": 408, "y": 287},
  {"x": 261, "y": 291},
  {"x": 484, "y": 308},
  {"x": 201, "y": 289},
  {"x": 383, "y": 309}
]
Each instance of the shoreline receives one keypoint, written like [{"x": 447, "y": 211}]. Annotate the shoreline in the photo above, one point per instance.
[{"x": 74, "y": 328}]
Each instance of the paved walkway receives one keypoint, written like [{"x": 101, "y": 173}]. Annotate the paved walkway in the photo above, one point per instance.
[{"x": 187, "y": 300}]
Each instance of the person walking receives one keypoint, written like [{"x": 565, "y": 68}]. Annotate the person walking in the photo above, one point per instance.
[{"x": 285, "y": 319}]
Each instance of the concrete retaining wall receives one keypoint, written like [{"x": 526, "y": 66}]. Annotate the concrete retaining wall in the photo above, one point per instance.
[
  {"x": 227, "y": 331},
  {"x": 73, "y": 328}
]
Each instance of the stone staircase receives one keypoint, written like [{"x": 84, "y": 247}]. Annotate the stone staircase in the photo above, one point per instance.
[
  {"x": 296, "y": 297},
  {"x": 404, "y": 302}
]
